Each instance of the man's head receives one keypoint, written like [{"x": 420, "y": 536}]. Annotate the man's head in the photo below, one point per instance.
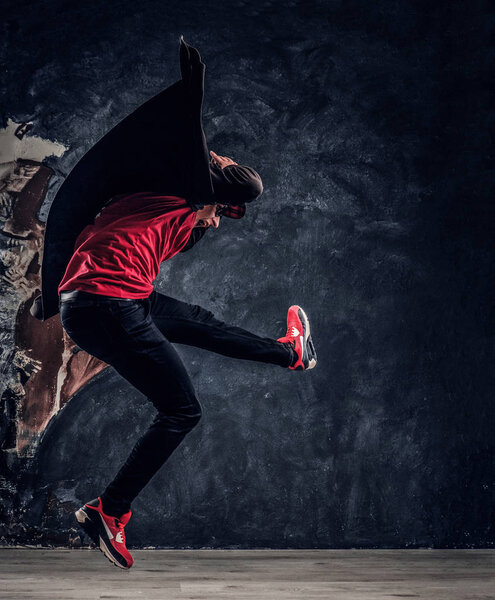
[{"x": 234, "y": 185}]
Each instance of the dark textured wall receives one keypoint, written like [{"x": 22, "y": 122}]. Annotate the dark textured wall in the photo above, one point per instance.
[{"x": 369, "y": 123}]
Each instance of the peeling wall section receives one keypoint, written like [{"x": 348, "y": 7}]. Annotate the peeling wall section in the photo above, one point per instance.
[{"x": 41, "y": 367}]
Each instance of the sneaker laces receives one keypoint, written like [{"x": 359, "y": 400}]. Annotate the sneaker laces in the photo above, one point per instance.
[
  {"x": 292, "y": 331},
  {"x": 120, "y": 524},
  {"x": 120, "y": 537},
  {"x": 290, "y": 335}
]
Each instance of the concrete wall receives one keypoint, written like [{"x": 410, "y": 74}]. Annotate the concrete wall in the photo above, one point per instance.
[{"x": 369, "y": 124}]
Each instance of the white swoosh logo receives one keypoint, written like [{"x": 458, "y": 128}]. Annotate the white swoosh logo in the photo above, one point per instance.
[{"x": 109, "y": 533}]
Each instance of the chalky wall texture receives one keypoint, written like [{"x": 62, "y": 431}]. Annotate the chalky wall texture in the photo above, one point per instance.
[{"x": 369, "y": 124}]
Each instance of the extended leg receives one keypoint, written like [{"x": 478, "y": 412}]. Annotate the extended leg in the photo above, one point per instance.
[{"x": 193, "y": 325}]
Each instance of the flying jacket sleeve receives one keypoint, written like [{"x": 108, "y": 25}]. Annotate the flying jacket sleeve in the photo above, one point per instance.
[{"x": 175, "y": 162}]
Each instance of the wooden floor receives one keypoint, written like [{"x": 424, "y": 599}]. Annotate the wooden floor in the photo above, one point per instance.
[{"x": 241, "y": 574}]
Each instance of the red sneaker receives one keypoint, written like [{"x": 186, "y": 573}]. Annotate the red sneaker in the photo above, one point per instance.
[
  {"x": 107, "y": 532},
  {"x": 299, "y": 336}
]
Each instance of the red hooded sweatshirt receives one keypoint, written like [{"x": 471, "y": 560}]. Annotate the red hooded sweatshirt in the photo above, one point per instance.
[{"x": 119, "y": 255}]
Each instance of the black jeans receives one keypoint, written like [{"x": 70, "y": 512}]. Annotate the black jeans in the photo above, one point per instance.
[{"x": 135, "y": 337}]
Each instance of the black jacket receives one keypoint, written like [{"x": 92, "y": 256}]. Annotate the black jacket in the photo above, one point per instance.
[
  {"x": 160, "y": 147},
  {"x": 196, "y": 234}
]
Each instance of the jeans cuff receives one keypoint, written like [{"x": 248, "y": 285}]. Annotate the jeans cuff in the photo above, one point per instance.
[{"x": 292, "y": 354}]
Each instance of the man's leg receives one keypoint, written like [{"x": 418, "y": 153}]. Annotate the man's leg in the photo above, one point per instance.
[
  {"x": 189, "y": 324},
  {"x": 123, "y": 335}
]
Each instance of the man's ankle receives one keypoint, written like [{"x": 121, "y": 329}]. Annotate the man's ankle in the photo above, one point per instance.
[{"x": 113, "y": 508}]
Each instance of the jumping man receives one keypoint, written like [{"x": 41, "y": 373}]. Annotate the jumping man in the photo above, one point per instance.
[{"x": 109, "y": 309}]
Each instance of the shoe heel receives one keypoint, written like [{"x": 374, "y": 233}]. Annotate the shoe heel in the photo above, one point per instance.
[
  {"x": 87, "y": 525},
  {"x": 312, "y": 354},
  {"x": 81, "y": 516}
]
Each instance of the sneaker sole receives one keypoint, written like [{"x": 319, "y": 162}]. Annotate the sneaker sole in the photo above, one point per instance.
[
  {"x": 89, "y": 527},
  {"x": 308, "y": 342}
]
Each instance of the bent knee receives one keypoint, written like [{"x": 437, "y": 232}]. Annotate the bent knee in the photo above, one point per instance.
[{"x": 181, "y": 420}]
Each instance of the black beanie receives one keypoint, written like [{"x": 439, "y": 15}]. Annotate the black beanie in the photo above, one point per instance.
[{"x": 235, "y": 184}]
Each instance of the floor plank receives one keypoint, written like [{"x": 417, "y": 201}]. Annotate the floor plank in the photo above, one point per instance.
[{"x": 38, "y": 573}]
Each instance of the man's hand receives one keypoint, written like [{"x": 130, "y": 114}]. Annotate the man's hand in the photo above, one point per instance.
[{"x": 221, "y": 161}]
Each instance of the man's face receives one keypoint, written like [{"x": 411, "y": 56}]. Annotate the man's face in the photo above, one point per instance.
[{"x": 209, "y": 216}]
